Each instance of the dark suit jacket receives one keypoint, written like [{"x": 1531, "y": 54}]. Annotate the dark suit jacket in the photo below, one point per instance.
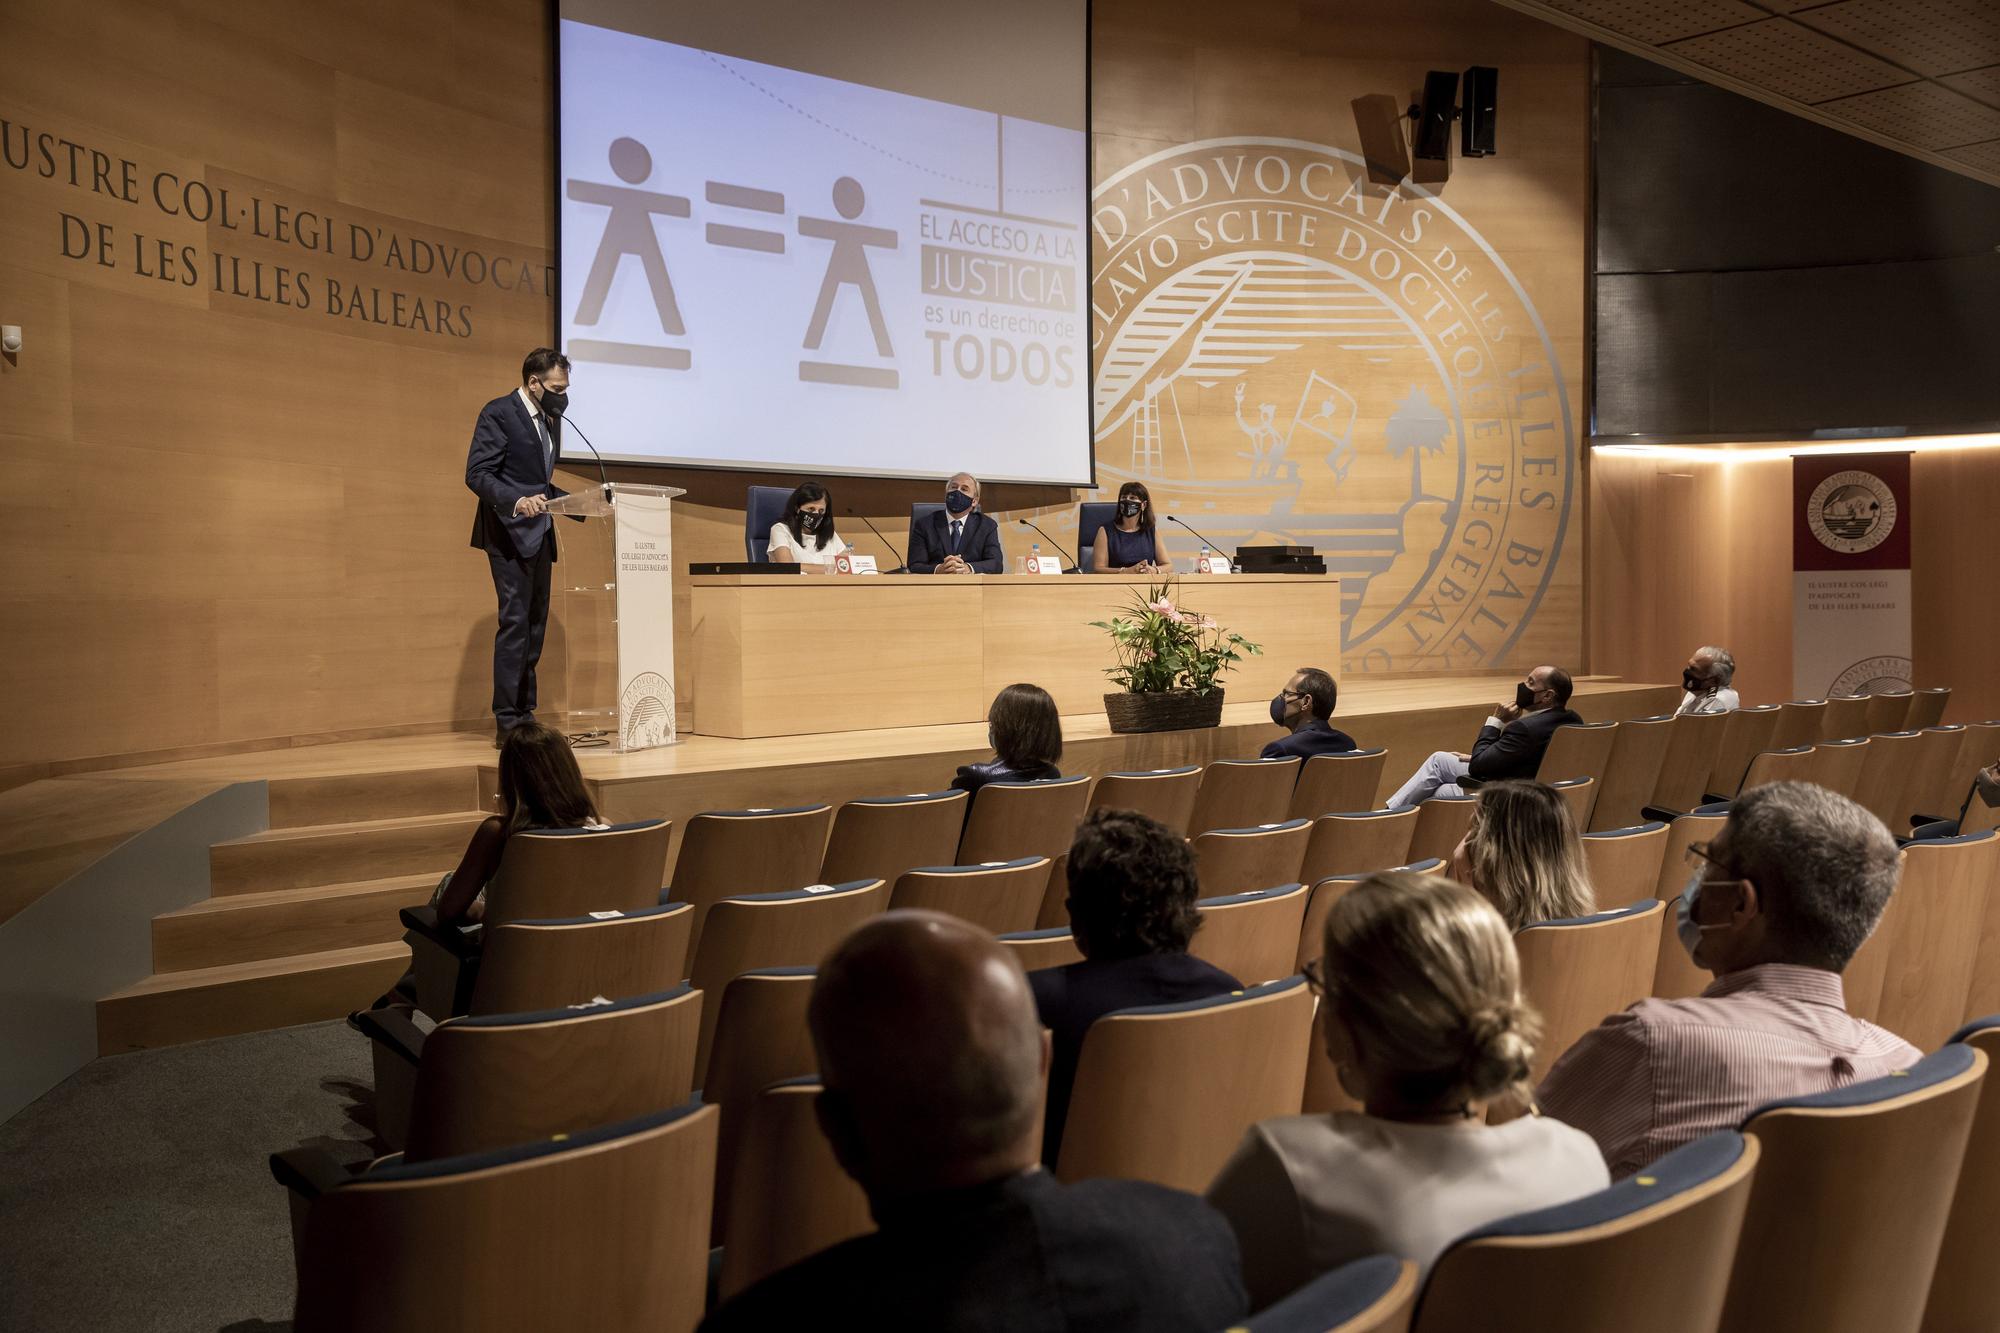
[
  {"x": 1315, "y": 737},
  {"x": 971, "y": 777},
  {"x": 1024, "y": 1254},
  {"x": 1515, "y": 751},
  {"x": 1071, "y": 998},
  {"x": 930, "y": 543},
  {"x": 504, "y": 464}
]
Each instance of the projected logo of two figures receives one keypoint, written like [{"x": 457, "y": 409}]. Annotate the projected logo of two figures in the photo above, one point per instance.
[
  {"x": 1290, "y": 353},
  {"x": 629, "y": 231}
]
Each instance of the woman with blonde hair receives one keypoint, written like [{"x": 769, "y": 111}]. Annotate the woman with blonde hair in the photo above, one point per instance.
[
  {"x": 1424, "y": 1021},
  {"x": 1522, "y": 853}
]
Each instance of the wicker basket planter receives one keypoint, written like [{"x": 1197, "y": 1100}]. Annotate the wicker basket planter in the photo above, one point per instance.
[{"x": 1166, "y": 710}]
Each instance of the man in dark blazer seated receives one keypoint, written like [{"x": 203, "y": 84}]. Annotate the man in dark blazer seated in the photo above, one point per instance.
[
  {"x": 1510, "y": 745},
  {"x": 515, "y": 446},
  {"x": 933, "y": 1065},
  {"x": 1302, "y": 709},
  {"x": 958, "y": 539}
]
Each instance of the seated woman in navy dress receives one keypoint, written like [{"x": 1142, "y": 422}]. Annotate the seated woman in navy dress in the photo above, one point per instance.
[
  {"x": 1129, "y": 544},
  {"x": 1026, "y": 734}
]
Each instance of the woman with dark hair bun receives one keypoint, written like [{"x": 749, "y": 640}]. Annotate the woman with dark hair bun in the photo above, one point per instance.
[
  {"x": 1424, "y": 1021},
  {"x": 1026, "y": 734},
  {"x": 805, "y": 535}
]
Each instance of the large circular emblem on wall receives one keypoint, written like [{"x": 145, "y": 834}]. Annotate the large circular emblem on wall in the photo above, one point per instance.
[
  {"x": 1290, "y": 354},
  {"x": 1851, "y": 512}
]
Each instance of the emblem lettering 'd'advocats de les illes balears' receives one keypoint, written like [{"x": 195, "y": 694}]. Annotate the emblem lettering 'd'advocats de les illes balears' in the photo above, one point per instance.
[{"x": 1290, "y": 353}]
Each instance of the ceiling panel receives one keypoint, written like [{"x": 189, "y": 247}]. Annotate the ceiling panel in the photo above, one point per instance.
[
  {"x": 1661, "y": 20},
  {"x": 1980, "y": 84},
  {"x": 1791, "y": 61},
  {"x": 1923, "y": 114},
  {"x": 1931, "y": 37},
  {"x": 1981, "y": 156}
]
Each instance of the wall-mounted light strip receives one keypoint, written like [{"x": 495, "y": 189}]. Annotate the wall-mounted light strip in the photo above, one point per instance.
[{"x": 1756, "y": 453}]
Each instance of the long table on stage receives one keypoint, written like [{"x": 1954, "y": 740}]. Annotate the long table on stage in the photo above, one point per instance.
[{"x": 777, "y": 655}]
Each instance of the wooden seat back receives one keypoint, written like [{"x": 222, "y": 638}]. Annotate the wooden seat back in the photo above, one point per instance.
[
  {"x": 1240, "y": 793},
  {"x": 1746, "y": 733},
  {"x": 760, "y": 1038},
  {"x": 1694, "y": 742},
  {"x": 552, "y": 873},
  {"x": 1580, "y": 750},
  {"x": 1373, "y": 1295},
  {"x": 1888, "y": 711},
  {"x": 1837, "y": 765},
  {"x": 730, "y": 853},
  {"x": 1253, "y": 935},
  {"x": 529, "y": 965},
  {"x": 1577, "y": 971},
  {"x": 1927, "y": 708},
  {"x": 1887, "y": 776},
  {"x": 1048, "y": 946},
  {"x": 1965, "y": 1287},
  {"x": 1441, "y": 825},
  {"x": 788, "y": 1197},
  {"x": 879, "y": 837},
  {"x": 1235, "y": 860},
  {"x": 1846, "y": 717},
  {"x": 1930, "y": 933},
  {"x": 1800, "y": 722},
  {"x": 1001, "y": 896},
  {"x": 1793, "y": 765},
  {"x": 1625, "y": 863},
  {"x": 1578, "y": 794},
  {"x": 1932, "y": 774},
  {"x": 1634, "y": 771},
  {"x": 1163, "y": 794},
  {"x": 1331, "y": 782},
  {"x": 1358, "y": 842},
  {"x": 1014, "y": 819}
]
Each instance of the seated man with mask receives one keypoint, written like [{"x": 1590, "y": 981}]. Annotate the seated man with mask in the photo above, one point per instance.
[
  {"x": 1775, "y": 906},
  {"x": 1302, "y": 709},
  {"x": 960, "y": 539},
  {"x": 1706, "y": 679},
  {"x": 1510, "y": 745}
]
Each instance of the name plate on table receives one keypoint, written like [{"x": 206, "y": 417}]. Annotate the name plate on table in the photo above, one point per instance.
[
  {"x": 1044, "y": 564},
  {"x": 848, "y": 563},
  {"x": 1211, "y": 564}
]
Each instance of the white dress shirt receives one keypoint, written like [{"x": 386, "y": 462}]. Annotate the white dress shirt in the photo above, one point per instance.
[
  {"x": 1723, "y": 700},
  {"x": 542, "y": 432},
  {"x": 782, "y": 540}
]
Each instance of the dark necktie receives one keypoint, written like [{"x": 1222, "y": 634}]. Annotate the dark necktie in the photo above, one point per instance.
[
  {"x": 957, "y": 529},
  {"x": 548, "y": 444}
]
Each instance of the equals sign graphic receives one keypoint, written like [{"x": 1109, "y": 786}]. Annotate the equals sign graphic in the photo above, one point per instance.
[{"x": 746, "y": 238}]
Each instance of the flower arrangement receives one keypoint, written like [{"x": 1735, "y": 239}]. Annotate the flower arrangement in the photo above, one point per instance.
[{"x": 1164, "y": 648}]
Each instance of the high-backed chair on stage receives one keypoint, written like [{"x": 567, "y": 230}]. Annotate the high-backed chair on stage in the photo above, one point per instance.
[
  {"x": 1441, "y": 825},
  {"x": 1335, "y": 782},
  {"x": 1746, "y": 733},
  {"x": 1965, "y": 1288},
  {"x": 529, "y": 965},
  {"x": 1887, "y": 776},
  {"x": 1164, "y": 794},
  {"x": 1220, "y": 1064},
  {"x": 1358, "y": 841},
  {"x": 1090, "y": 516},
  {"x": 1326, "y": 892},
  {"x": 1014, "y": 819},
  {"x": 1675, "y": 976},
  {"x": 1239, "y": 793},
  {"x": 1580, "y": 750},
  {"x": 474, "y": 1084},
  {"x": 1000, "y": 896},
  {"x": 1936, "y": 764},
  {"x": 1850, "y": 1201},
  {"x": 1929, "y": 936},
  {"x": 1837, "y": 765},
  {"x": 1049, "y": 946},
  {"x": 1632, "y": 774},
  {"x": 1579, "y": 970},
  {"x": 729, "y": 853},
  {"x": 1624, "y": 863},
  {"x": 1694, "y": 741},
  {"x": 1927, "y": 708},
  {"x": 879, "y": 837},
  {"x": 919, "y": 511},
  {"x": 1846, "y": 716},
  {"x": 1800, "y": 722},
  {"x": 618, "y": 1216},
  {"x": 1888, "y": 712},
  {"x": 760, "y": 1038},
  {"x": 1651, "y": 1254},
  {"x": 788, "y": 1197},
  {"x": 1233, "y": 860},
  {"x": 762, "y": 510},
  {"x": 1253, "y": 936},
  {"x": 1578, "y": 794},
  {"x": 795, "y": 928},
  {"x": 1372, "y": 1295}
]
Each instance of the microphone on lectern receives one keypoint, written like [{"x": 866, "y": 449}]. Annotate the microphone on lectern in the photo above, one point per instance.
[
  {"x": 563, "y": 417},
  {"x": 903, "y": 568},
  {"x": 1073, "y": 567},
  {"x": 1204, "y": 541}
]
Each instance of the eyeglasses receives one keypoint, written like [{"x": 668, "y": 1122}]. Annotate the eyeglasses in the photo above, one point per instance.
[
  {"x": 1315, "y": 975},
  {"x": 1698, "y": 857}
]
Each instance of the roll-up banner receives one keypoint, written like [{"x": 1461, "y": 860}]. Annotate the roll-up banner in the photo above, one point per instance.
[{"x": 1850, "y": 574}]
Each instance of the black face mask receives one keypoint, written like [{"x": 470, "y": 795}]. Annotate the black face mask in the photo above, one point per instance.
[
  {"x": 957, "y": 501},
  {"x": 555, "y": 402},
  {"x": 810, "y": 519},
  {"x": 1278, "y": 708},
  {"x": 1524, "y": 698},
  {"x": 1691, "y": 682},
  {"x": 1129, "y": 508}
]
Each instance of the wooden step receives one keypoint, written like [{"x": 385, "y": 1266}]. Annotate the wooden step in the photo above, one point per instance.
[
  {"x": 346, "y": 798},
  {"x": 246, "y": 927},
  {"x": 295, "y": 858},
  {"x": 173, "y": 1007}
]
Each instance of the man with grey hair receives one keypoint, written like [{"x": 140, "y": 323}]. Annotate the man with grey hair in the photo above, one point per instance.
[
  {"x": 934, "y": 1066},
  {"x": 957, "y": 539},
  {"x": 1776, "y": 905},
  {"x": 1705, "y": 680}
]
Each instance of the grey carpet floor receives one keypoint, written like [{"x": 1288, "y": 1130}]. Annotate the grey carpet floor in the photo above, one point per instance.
[{"x": 136, "y": 1195}]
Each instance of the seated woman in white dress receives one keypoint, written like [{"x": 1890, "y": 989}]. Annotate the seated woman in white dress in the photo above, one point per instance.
[
  {"x": 1425, "y": 1024},
  {"x": 805, "y": 535}
]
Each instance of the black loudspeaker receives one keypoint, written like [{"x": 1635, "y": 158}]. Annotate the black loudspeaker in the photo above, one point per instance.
[
  {"x": 1434, "y": 115},
  {"x": 1475, "y": 125}
]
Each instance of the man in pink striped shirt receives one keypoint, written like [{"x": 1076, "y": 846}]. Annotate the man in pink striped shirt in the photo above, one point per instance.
[{"x": 1776, "y": 905}]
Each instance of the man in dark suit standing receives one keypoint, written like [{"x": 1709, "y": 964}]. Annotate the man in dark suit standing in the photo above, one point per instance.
[
  {"x": 960, "y": 539},
  {"x": 1302, "y": 709},
  {"x": 510, "y": 467},
  {"x": 1510, "y": 745}
]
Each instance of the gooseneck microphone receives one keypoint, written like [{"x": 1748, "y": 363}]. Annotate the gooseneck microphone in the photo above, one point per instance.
[
  {"x": 1204, "y": 541},
  {"x": 903, "y": 568},
  {"x": 1073, "y": 568},
  {"x": 605, "y": 480}
]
